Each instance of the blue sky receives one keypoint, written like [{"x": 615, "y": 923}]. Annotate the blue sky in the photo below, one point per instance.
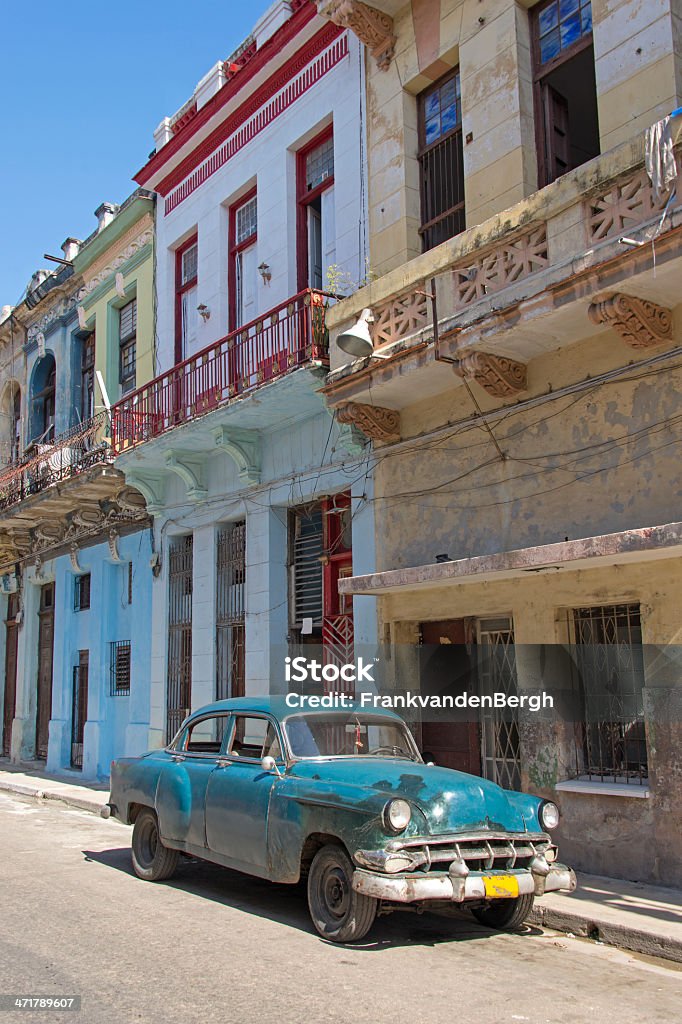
[{"x": 82, "y": 87}]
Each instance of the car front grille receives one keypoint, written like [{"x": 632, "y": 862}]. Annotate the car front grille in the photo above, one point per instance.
[{"x": 482, "y": 851}]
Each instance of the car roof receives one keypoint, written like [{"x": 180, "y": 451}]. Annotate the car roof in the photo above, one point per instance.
[{"x": 277, "y": 706}]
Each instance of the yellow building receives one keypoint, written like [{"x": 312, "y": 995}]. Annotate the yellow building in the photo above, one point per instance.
[{"x": 524, "y": 289}]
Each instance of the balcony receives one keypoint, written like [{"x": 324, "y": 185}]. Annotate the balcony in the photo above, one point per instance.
[
  {"x": 290, "y": 336},
  {"x": 45, "y": 464},
  {"x": 595, "y": 250}
]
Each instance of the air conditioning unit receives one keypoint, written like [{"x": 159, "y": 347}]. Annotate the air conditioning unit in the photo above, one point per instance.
[{"x": 8, "y": 583}]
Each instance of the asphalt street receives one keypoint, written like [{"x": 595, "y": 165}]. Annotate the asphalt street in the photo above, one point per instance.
[{"x": 212, "y": 945}]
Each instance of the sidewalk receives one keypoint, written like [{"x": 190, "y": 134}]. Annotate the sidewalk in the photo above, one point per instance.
[{"x": 642, "y": 918}]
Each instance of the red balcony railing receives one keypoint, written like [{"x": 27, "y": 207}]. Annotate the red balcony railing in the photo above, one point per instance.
[
  {"x": 275, "y": 343},
  {"x": 43, "y": 464}
]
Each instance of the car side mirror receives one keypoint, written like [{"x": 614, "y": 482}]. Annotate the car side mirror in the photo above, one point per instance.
[{"x": 268, "y": 764}]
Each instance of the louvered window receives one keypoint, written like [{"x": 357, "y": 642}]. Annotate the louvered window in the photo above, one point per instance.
[
  {"x": 306, "y": 550},
  {"x": 128, "y": 342}
]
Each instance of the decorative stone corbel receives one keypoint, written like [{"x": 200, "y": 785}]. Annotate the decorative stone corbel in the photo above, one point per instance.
[
  {"x": 190, "y": 468},
  {"x": 74, "y": 552},
  {"x": 243, "y": 447},
  {"x": 372, "y": 27},
  {"x": 112, "y": 541},
  {"x": 375, "y": 421},
  {"x": 500, "y": 376},
  {"x": 152, "y": 487},
  {"x": 640, "y": 323}
]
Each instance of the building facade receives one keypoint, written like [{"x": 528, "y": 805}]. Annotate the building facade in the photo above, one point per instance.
[
  {"x": 526, "y": 248},
  {"x": 261, "y": 501},
  {"x": 74, "y": 538}
]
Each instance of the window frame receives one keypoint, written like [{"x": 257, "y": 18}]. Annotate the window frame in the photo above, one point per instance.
[
  {"x": 81, "y": 592},
  {"x": 234, "y": 248},
  {"x": 540, "y": 72},
  {"x": 231, "y": 732},
  {"x": 304, "y": 197},
  {"x": 180, "y": 289},
  {"x": 128, "y": 383},
  {"x": 115, "y": 647},
  {"x": 180, "y": 748},
  {"x": 88, "y": 349},
  {"x": 425, "y": 149}
]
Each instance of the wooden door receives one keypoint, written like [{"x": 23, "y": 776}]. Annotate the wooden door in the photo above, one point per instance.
[
  {"x": 45, "y": 649},
  {"x": 10, "y": 702},
  {"x": 450, "y": 669},
  {"x": 557, "y": 140}
]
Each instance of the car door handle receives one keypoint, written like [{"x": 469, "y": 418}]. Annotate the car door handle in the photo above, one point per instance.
[
  {"x": 178, "y": 758},
  {"x": 223, "y": 763}
]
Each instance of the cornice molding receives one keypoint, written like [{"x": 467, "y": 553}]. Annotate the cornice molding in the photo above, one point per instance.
[
  {"x": 142, "y": 239},
  {"x": 117, "y": 249}
]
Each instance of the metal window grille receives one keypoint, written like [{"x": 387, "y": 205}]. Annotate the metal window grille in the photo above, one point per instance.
[
  {"x": 500, "y": 753},
  {"x": 81, "y": 592},
  {"x": 246, "y": 221},
  {"x": 230, "y": 592},
  {"x": 79, "y": 707},
  {"x": 441, "y": 162},
  {"x": 119, "y": 668},
  {"x": 319, "y": 164},
  {"x": 307, "y": 542},
  {"x": 608, "y": 658},
  {"x": 179, "y": 694}
]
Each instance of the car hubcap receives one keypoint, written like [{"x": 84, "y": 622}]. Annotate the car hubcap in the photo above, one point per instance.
[
  {"x": 148, "y": 843},
  {"x": 336, "y": 892}
]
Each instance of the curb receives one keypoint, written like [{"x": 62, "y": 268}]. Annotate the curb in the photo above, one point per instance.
[
  {"x": 625, "y": 937},
  {"x": 81, "y": 803}
]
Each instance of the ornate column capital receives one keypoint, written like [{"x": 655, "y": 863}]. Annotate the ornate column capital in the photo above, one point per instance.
[
  {"x": 375, "y": 421},
  {"x": 500, "y": 376},
  {"x": 640, "y": 323},
  {"x": 372, "y": 27}
]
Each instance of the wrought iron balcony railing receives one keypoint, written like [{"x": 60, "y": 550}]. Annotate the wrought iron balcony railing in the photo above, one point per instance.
[
  {"x": 275, "y": 343},
  {"x": 47, "y": 463}
]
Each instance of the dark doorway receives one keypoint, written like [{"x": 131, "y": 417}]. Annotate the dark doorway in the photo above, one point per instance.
[
  {"x": 566, "y": 119},
  {"x": 45, "y": 648},
  {"x": 180, "y": 584},
  {"x": 448, "y": 664},
  {"x": 79, "y": 708},
  {"x": 10, "y": 703}
]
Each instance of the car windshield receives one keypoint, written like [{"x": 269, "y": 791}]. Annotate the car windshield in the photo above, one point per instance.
[{"x": 321, "y": 735}]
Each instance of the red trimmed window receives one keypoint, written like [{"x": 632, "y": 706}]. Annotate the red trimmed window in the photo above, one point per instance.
[
  {"x": 186, "y": 263},
  {"x": 243, "y": 274},
  {"x": 316, "y": 231}
]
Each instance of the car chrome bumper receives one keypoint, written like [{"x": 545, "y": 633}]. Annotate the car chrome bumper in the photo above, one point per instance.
[{"x": 417, "y": 887}]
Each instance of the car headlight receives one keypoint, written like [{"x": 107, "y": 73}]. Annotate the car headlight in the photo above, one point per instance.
[
  {"x": 396, "y": 815},
  {"x": 548, "y": 813}
]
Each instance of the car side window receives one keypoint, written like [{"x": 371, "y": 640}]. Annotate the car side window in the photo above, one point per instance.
[
  {"x": 254, "y": 738},
  {"x": 204, "y": 736}
]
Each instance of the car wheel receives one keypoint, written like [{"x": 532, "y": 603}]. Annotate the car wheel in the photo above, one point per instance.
[
  {"x": 508, "y": 914},
  {"x": 151, "y": 859},
  {"x": 337, "y": 911}
]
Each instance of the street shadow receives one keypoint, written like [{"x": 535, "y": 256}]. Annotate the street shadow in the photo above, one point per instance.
[
  {"x": 286, "y": 904},
  {"x": 628, "y": 897}
]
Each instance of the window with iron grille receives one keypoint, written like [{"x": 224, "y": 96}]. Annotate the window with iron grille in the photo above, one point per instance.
[
  {"x": 119, "y": 661},
  {"x": 81, "y": 592},
  {"x": 128, "y": 342},
  {"x": 441, "y": 161},
  {"x": 88, "y": 377},
  {"x": 130, "y": 582},
  {"x": 230, "y": 593},
  {"x": 608, "y": 658}
]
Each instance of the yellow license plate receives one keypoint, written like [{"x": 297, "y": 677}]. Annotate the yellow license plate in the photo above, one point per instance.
[{"x": 501, "y": 886}]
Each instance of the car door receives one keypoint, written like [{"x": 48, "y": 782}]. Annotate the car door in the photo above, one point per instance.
[
  {"x": 238, "y": 795},
  {"x": 181, "y": 790}
]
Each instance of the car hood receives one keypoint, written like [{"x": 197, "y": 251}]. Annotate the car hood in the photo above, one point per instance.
[{"x": 449, "y": 800}]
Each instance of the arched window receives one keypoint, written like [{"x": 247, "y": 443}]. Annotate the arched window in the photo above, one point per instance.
[
  {"x": 15, "y": 425},
  {"x": 43, "y": 392}
]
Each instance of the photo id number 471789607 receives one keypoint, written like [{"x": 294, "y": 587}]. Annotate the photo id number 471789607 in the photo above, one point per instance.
[{"x": 40, "y": 1002}]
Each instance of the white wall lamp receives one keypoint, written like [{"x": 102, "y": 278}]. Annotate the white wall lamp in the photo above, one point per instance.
[
  {"x": 265, "y": 273},
  {"x": 204, "y": 312}
]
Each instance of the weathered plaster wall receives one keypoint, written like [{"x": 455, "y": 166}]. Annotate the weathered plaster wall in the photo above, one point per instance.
[{"x": 638, "y": 72}]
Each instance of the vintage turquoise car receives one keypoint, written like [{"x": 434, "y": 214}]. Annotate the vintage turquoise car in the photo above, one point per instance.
[{"x": 343, "y": 798}]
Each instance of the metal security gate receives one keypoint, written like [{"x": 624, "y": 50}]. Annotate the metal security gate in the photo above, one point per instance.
[
  {"x": 79, "y": 707},
  {"x": 10, "y": 702},
  {"x": 230, "y": 588},
  {"x": 179, "y": 695},
  {"x": 500, "y": 753},
  {"x": 45, "y": 649}
]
